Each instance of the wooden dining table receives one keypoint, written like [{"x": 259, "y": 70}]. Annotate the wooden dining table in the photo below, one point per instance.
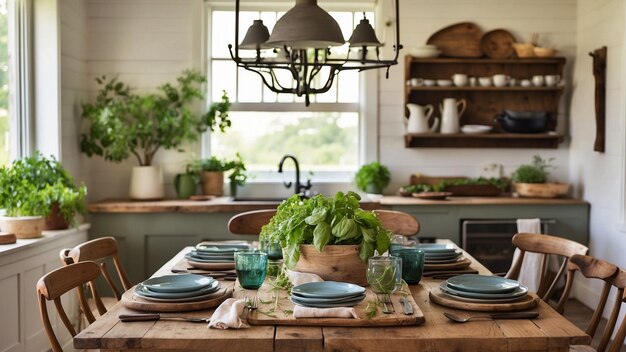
[{"x": 549, "y": 332}]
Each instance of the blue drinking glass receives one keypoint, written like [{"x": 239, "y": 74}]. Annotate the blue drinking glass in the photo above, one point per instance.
[
  {"x": 412, "y": 263},
  {"x": 251, "y": 267}
]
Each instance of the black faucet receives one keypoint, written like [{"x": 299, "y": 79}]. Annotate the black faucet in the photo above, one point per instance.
[{"x": 299, "y": 188}]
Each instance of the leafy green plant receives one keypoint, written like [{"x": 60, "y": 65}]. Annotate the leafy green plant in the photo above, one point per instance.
[
  {"x": 30, "y": 187},
  {"x": 500, "y": 183},
  {"x": 534, "y": 173},
  {"x": 238, "y": 175},
  {"x": 372, "y": 174},
  {"x": 325, "y": 221},
  {"x": 122, "y": 123}
]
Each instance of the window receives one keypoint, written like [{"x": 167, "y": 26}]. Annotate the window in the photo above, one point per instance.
[
  {"x": 266, "y": 125},
  {"x": 5, "y": 123}
]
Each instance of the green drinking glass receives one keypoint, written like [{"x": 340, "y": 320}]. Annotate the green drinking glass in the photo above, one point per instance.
[
  {"x": 412, "y": 263},
  {"x": 251, "y": 267}
]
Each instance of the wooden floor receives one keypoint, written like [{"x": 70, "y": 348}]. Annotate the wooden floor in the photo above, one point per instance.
[{"x": 580, "y": 315}]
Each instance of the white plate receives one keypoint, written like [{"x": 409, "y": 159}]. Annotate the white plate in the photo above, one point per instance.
[{"x": 476, "y": 129}]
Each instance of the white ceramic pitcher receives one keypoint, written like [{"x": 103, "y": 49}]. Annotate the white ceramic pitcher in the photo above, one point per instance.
[
  {"x": 451, "y": 112},
  {"x": 418, "y": 119}
]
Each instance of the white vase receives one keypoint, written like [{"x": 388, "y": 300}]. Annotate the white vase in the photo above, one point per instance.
[{"x": 146, "y": 183}]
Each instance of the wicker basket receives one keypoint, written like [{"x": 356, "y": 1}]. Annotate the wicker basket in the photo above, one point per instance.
[{"x": 542, "y": 190}]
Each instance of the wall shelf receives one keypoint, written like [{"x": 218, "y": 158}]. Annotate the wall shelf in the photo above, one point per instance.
[
  {"x": 491, "y": 140},
  {"x": 488, "y": 89}
]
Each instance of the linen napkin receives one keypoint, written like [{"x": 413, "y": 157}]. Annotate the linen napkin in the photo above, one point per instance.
[
  {"x": 297, "y": 278},
  {"x": 530, "y": 272},
  {"x": 228, "y": 315},
  {"x": 339, "y": 312}
]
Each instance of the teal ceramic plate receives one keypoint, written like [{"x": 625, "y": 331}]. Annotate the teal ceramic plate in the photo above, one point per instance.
[
  {"x": 212, "y": 255},
  {"x": 328, "y": 305},
  {"x": 482, "y": 283},
  {"x": 144, "y": 291},
  {"x": 229, "y": 248},
  {"x": 518, "y": 292},
  {"x": 204, "y": 260},
  {"x": 442, "y": 261},
  {"x": 436, "y": 247},
  {"x": 327, "y": 289},
  {"x": 203, "y": 297},
  {"x": 327, "y": 300},
  {"x": 177, "y": 283},
  {"x": 482, "y": 300}
]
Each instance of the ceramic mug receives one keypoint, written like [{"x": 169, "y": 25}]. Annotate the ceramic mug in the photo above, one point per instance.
[
  {"x": 538, "y": 81},
  {"x": 501, "y": 80},
  {"x": 552, "y": 80},
  {"x": 525, "y": 83},
  {"x": 416, "y": 82},
  {"x": 185, "y": 185},
  {"x": 460, "y": 79},
  {"x": 484, "y": 81}
]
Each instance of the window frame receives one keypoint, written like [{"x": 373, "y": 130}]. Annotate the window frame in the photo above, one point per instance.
[{"x": 366, "y": 108}]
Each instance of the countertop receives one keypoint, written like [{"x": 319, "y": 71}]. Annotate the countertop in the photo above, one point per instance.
[
  {"x": 225, "y": 204},
  {"x": 46, "y": 236}
]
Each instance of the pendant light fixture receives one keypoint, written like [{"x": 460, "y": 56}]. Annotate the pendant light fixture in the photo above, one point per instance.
[{"x": 302, "y": 41}]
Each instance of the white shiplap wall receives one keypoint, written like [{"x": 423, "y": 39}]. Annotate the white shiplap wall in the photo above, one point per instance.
[
  {"x": 146, "y": 43},
  {"x": 555, "y": 20},
  {"x": 599, "y": 175}
]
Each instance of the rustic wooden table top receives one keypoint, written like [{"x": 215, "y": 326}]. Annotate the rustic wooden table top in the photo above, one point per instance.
[{"x": 549, "y": 332}]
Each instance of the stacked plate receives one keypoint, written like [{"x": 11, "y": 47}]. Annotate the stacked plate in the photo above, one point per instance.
[
  {"x": 483, "y": 289},
  {"x": 214, "y": 256},
  {"x": 327, "y": 294},
  {"x": 178, "y": 288},
  {"x": 438, "y": 253}
]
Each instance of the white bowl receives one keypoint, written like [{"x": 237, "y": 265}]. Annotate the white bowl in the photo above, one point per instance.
[
  {"x": 476, "y": 129},
  {"x": 425, "y": 52},
  {"x": 444, "y": 82}
]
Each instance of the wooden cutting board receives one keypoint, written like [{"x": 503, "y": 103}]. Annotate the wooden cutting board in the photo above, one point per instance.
[
  {"x": 498, "y": 44},
  {"x": 527, "y": 302},
  {"x": 283, "y": 314},
  {"x": 459, "y": 40},
  {"x": 133, "y": 301}
]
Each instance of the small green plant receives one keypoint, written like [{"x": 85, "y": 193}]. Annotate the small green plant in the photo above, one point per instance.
[
  {"x": 322, "y": 221},
  {"x": 32, "y": 185},
  {"x": 122, "y": 123},
  {"x": 238, "y": 175},
  {"x": 534, "y": 173},
  {"x": 372, "y": 177}
]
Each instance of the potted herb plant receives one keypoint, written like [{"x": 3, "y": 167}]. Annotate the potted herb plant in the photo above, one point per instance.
[
  {"x": 531, "y": 180},
  {"x": 238, "y": 175},
  {"x": 121, "y": 124},
  {"x": 372, "y": 178},
  {"x": 331, "y": 237},
  {"x": 210, "y": 172},
  {"x": 38, "y": 194}
]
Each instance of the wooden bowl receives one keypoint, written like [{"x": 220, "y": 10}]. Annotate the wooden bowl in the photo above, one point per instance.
[
  {"x": 335, "y": 263},
  {"x": 524, "y": 49},
  {"x": 542, "y": 190},
  {"x": 544, "y": 52},
  {"x": 23, "y": 227}
]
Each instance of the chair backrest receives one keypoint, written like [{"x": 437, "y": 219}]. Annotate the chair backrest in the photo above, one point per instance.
[
  {"x": 547, "y": 245},
  {"x": 612, "y": 276},
  {"x": 56, "y": 283},
  {"x": 250, "y": 222},
  {"x": 398, "y": 222},
  {"x": 97, "y": 251}
]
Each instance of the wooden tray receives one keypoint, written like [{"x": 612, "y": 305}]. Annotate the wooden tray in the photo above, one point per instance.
[
  {"x": 527, "y": 302},
  {"x": 498, "y": 44},
  {"x": 284, "y": 317},
  {"x": 461, "y": 264},
  {"x": 458, "y": 40},
  {"x": 133, "y": 301}
]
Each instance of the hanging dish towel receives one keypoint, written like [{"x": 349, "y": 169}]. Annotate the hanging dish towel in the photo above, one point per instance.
[{"x": 530, "y": 272}]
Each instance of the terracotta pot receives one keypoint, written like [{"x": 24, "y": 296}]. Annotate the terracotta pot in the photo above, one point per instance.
[
  {"x": 335, "y": 263},
  {"x": 146, "y": 183},
  {"x": 56, "y": 220},
  {"x": 212, "y": 183},
  {"x": 23, "y": 226},
  {"x": 542, "y": 190}
]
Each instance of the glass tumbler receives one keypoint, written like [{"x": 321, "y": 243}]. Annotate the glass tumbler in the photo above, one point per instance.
[
  {"x": 384, "y": 274},
  {"x": 274, "y": 250},
  {"x": 251, "y": 267},
  {"x": 412, "y": 263}
]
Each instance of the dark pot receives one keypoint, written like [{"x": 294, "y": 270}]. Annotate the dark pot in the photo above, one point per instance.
[
  {"x": 523, "y": 121},
  {"x": 55, "y": 221}
]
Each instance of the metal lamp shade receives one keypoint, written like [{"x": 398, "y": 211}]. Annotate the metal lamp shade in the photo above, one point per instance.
[
  {"x": 364, "y": 35},
  {"x": 306, "y": 25},
  {"x": 256, "y": 36}
]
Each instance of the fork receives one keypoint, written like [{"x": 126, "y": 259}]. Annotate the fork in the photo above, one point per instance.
[
  {"x": 386, "y": 309},
  {"x": 387, "y": 299}
]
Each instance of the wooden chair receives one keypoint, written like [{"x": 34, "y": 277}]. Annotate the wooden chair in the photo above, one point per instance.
[
  {"x": 399, "y": 223},
  {"x": 250, "y": 222},
  {"x": 612, "y": 276},
  {"x": 56, "y": 283},
  {"x": 547, "y": 245}
]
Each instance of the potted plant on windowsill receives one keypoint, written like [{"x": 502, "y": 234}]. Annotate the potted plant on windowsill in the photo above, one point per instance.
[
  {"x": 122, "y": 123},
  {"x": 532, "y": 181},
  {"x": 38, "y": 194},
  {"x": 372, "y": 178},
  {"x": 210, "y": 172},
  {"x": 331, "y": 237}
]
